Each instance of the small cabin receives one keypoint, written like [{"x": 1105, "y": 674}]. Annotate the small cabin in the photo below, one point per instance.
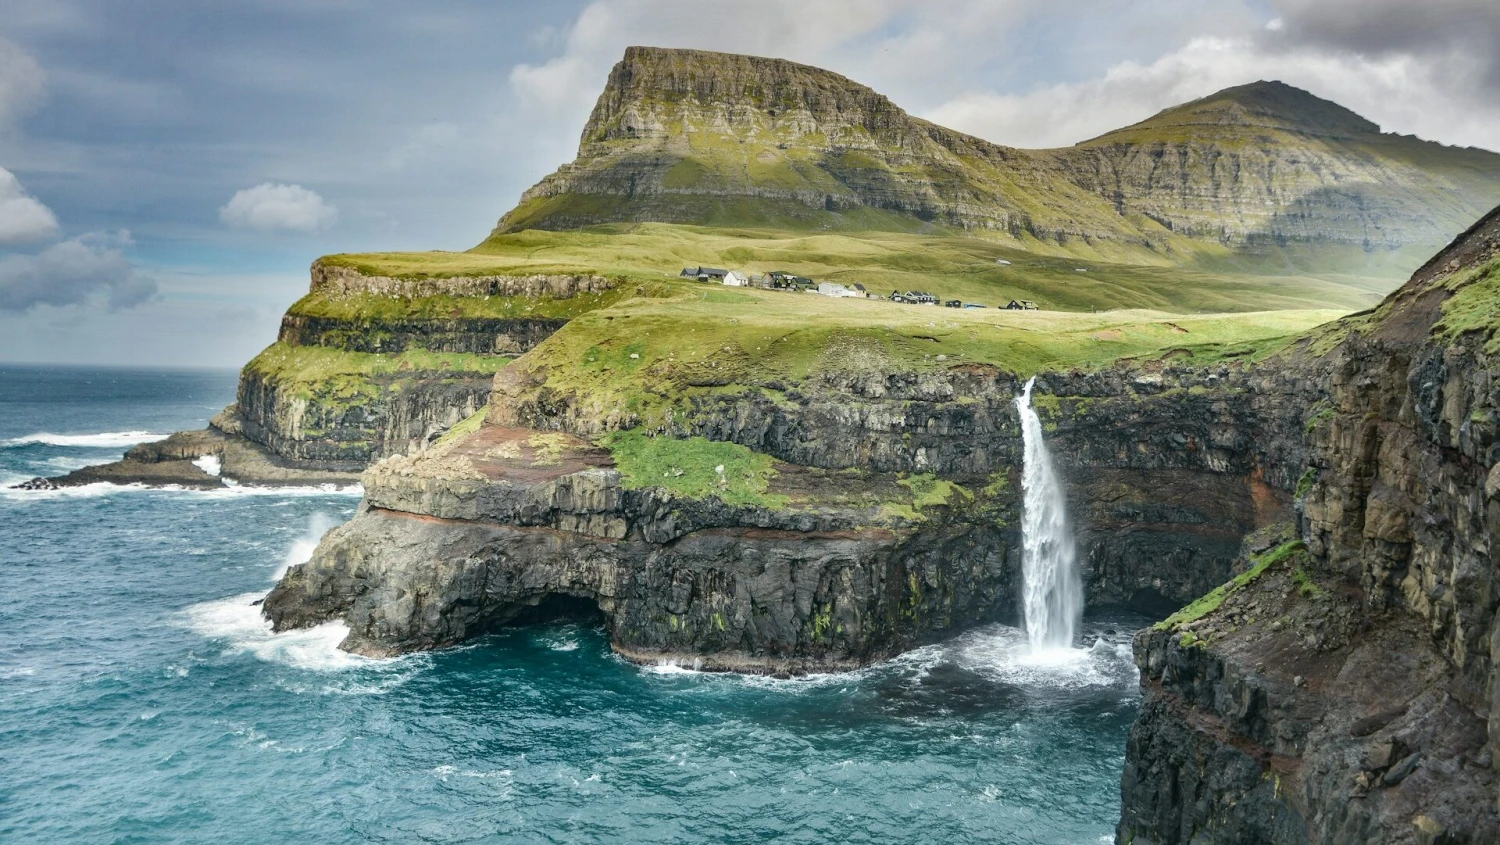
[
  {"x": 782, "y": 280},
  {"x": 954, "y": 303},
  {"x": 704, "y": 274},
  {"x": 832, "y": 289},
  {"x": 736, "y": 279},
  {"x": 1022, "y": 305}
]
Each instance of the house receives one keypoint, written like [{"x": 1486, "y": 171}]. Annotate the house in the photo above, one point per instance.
[
  {"x": 858, "y": 290},
  {"x": 832, "y": 289},
  {"x": 782, "y": 280},
  {"x": 896, "y": 296},
  {"x": 1022, "y": 305},
  {"x": 921, "y": 297},
  {"x": 736, "y": 279},
  {"x": 704, "y": 274},
  {"x": 954, "y": 303}
]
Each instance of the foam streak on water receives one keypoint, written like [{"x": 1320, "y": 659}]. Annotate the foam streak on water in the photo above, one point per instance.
[{"x": 1052, "y": 591}]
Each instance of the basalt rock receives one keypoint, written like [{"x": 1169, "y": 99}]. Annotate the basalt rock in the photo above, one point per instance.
[
  {"x": 480, "y": 532},
  {"x": 1350, "y": 693}
]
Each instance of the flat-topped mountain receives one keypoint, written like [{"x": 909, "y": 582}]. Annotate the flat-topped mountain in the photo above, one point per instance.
[{"x": 687, "y": 136}]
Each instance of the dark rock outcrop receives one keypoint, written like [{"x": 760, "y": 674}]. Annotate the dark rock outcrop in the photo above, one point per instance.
[
  {"x": 1350, "y": 695},
  {"x": 473, "y": 534}
]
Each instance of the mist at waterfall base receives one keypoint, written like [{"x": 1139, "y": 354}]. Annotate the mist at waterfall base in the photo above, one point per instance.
[
  {"x": 142, "y": 699},
  {"x": 1052, "y": 592}
]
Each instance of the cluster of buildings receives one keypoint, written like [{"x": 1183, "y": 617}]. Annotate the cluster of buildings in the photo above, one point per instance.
[{"x": 778, "y": 280}]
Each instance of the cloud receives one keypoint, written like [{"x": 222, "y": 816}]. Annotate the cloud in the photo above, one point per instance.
[
  {"x": 22, "y": 82},
  {"x": 269, "y": 207},
  {"x": 1401, "y": 91},
  {"x": 74, "y": 271},
  {"x": 23, "y": 218}
]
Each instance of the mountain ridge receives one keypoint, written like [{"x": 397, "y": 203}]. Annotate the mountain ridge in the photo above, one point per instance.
[{"x": 690, "y": 136}]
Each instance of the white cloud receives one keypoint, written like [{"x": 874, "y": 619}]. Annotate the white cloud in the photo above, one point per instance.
[
  {"x": 22, "y": 82},
  {"x": 23, "y": 218},
  {"x": 1400, "y": 91},
  {"x": 75, "y": 271},
  {"x": 269, "y": 207}
]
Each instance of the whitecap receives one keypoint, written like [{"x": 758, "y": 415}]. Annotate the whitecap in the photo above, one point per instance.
[
  {"x": 102, "y": 440},
  {"x": 238, "y": 622},
  {"x": 105, "y": 488},
  {"x": 302, "y": 548},
  {"x": 210, "y": 464}
]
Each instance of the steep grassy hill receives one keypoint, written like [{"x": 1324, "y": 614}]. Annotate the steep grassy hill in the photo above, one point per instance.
[{"x": 1252, "y": 175}]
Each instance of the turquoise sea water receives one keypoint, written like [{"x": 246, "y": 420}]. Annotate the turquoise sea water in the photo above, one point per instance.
[{"x": 142, "y": 700}]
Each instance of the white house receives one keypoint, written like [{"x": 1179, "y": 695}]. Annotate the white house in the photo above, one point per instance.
[
  {"x": 736, "y": 279},
  {"x": 837, "y": 290}
]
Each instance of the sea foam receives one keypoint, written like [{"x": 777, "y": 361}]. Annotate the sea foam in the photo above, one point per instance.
[
  {"x": 102, "y": 440},
  {"x": 237, "y": 621}
]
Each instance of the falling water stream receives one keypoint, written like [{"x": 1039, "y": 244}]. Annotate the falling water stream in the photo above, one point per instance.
[{"x": 1052, "y": 590}]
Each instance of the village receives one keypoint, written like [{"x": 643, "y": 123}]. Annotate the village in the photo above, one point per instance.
[{"x": 779, "y": 280}]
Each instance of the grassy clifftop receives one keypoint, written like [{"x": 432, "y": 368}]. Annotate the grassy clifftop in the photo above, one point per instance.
[
  {"x": 949, "y": 265},
  {"x": 628, "y": 364}
]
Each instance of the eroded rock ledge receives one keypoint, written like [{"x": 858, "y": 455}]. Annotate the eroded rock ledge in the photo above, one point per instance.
[
  {"x": 1348, "y": 693},
  {"x": 481, "y": 530}
]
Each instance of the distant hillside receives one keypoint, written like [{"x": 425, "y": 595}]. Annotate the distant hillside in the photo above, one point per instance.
[{"x": 688, "y": 136}]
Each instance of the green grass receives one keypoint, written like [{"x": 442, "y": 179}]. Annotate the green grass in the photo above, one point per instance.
[
  {"x": 645, "y": 355},
  {"x": 332, "y": 374},
  {"x": 1474, "y": 305},
  {"x": 691, "y": 468},
  {"x": 446, "y": 307},
  {"x": 1306, "y": 586},
  {"x": 465, "y": 427},
  {"x": 1211, "y": 602},
  {"x": 953, "y": 266}
]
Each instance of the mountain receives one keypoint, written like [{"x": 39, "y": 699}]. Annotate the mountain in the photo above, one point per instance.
[{"x": 687, "y": 136}]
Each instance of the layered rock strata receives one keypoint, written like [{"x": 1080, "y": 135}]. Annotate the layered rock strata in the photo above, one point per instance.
[
  {"x": 689, "y": 136},
  {"x": 320, "y": 405},
  {"x": 1349, "y": 693},
  {"x": 475, "y": 533},
  {"x": 464, "y": 537}
]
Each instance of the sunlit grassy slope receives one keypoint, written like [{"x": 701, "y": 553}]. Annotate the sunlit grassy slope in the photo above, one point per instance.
[
  {"x": 949, "y": 265},
  {"x": 644, "y": 354}
]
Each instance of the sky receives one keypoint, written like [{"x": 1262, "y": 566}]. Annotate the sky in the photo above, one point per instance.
[{"x": 169, "y": 169}]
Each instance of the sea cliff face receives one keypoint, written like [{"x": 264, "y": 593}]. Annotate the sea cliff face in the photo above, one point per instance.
[
  {"x": 840, "y": 564},
  {"x": 1346, "y": 692}
]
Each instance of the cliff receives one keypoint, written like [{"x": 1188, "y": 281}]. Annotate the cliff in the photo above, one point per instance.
[
  {"x": 1344, "y": 690},
  {"x": 366, "y": 365},
  {"x": 708, "y": 138}
]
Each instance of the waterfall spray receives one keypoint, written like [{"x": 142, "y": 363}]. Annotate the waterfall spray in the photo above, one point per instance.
[{"x": 1052, "y": 591}]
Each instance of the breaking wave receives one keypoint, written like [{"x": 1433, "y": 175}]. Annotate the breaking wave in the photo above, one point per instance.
[{"x": 103, "y": 440}]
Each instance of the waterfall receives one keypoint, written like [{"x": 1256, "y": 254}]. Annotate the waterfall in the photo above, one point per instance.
[{"x": 1052, "y": 591}]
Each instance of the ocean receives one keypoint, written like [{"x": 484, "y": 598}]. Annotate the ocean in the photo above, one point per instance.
[{"x": 142, "y": 699}]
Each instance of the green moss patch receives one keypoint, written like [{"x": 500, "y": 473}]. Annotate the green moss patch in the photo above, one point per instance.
[
  {"x": 1474, "y": 305},
  {"x": 1214, "y": 599},
  {"x": 694, "y": 467}
]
